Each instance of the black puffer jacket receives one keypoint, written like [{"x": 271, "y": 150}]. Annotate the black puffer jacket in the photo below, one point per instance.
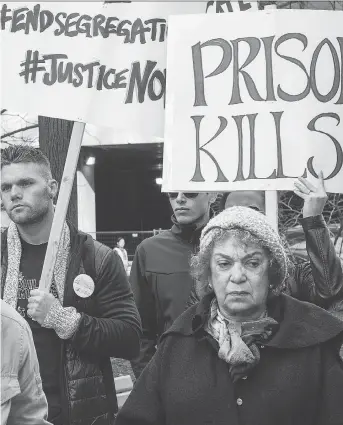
[{"x": 109, "y": 327}]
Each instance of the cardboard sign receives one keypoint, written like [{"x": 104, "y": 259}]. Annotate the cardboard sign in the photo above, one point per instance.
[
  {"x": 238, "y": 6},
  {"x": 254, "y": 100},
  {"x": 98, "y": 63}
]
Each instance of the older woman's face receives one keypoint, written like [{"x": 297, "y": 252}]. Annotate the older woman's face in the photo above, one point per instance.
[{"x": 239, "y": 276}]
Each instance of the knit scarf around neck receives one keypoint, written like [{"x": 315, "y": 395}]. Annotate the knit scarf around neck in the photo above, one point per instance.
[
  {"x": 14, "y": 258},
  {"x": 238, "y": 342}
]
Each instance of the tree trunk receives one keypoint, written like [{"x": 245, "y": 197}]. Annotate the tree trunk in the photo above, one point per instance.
[{"x": 54, "y": 138}]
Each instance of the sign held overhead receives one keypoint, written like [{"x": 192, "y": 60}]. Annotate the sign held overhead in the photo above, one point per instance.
[
  {"x": 254, "y": 100},
  {"x": 103, "y": 64}
]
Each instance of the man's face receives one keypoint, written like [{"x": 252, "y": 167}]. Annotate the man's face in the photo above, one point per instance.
[
  {"x": 246, "y": 198},
  {"x": 191, "y": 208},
  {"x": 26, "y": 192}
]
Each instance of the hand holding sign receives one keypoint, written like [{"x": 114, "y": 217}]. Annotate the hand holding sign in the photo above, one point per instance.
[
  {"x": 314, "y": 197},
  {"x": 39, "y": 305}
]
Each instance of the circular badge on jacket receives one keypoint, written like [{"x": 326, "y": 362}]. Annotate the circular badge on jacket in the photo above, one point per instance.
[{"x": 83, "y": 285}]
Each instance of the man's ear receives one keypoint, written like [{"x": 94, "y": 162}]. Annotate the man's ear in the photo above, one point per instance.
[{"x": 53, "y": 188}]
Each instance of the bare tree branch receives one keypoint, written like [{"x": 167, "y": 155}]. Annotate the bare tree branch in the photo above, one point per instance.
[{"x": 18, "y": 130}]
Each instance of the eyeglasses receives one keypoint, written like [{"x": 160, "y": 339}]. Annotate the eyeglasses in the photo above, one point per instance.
[{"x": 189, "y": 195}]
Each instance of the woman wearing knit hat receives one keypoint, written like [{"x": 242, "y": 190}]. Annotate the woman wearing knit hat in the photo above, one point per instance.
[
  {"x": 319, "y": 280},
  {"x": 246, "y": 353}
]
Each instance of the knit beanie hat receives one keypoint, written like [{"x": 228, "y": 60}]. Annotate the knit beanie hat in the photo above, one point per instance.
[{"x": 255, "y": 223}]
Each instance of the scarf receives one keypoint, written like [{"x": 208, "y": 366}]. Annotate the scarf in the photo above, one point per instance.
[
  {"x": 14, "y": 258},
  {"x": 238, "y": 341}
]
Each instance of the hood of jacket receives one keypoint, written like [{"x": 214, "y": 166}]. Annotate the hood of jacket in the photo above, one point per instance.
[{"x": 301, "y": 324}]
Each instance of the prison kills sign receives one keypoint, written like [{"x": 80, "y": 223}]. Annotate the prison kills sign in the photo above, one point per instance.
[
  {"x": 98, "y": 63},
  {"x": 254, "y": 100}
]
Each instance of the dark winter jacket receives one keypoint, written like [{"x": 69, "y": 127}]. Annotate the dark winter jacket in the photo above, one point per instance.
[
  {"x": 109, "y": 327},
  {"x": 163, "y": 287},
  {"x": 298, "y": 381},
  {"x": 319, "y": 281},
  {"x": 161, "y": 283}
]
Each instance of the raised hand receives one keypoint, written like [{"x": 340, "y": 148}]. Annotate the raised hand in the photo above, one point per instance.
[{"x": 314, "y": 197}]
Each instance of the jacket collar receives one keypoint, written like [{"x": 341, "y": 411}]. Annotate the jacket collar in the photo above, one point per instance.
[
  {"x": 301, "y": 324},
  {"x": 187, "y": 232}
]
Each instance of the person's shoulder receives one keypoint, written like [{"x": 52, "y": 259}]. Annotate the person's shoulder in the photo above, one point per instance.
[
  {"x": 156, "y": 240},
  {"x": 161, "y": 236},
  {"x": 10, "y": 317},
  {"x": 302, "y": 324},
  {"x": 99, "y": 248},
  {"x": 88, "y": 238},
  {"x": 184, "y": 325},
  {"x": 98, "y": 253}
]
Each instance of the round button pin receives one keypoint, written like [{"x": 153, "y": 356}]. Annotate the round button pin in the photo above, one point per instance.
[{"x": 83, "y": 285}]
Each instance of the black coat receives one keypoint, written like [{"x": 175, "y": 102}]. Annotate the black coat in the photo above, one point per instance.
[
  {"x": 299, "y": 380},
  {"x": 109, "y": 327},
  {"x": 161, "y": 284}
]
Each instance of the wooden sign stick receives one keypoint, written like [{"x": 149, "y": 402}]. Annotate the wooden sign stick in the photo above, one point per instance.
[
  {"x": 61, "y": 206},
  {"x": 271, "y": 200}
]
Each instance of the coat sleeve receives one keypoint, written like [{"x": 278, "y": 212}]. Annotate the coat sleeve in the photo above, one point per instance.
[
  {"x": 29, "y": 406},
  {"x": 144, "y": 405},
  {"x": 115, "y": 330},
  {"x": 319, "y": 281},
  {"x": 331, "y": 406},
  {"x": 145, "y": 302}
]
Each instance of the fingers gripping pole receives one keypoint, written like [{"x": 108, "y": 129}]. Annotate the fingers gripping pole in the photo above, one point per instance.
[
  {"x": 271, "y": 200},
  {"x": 61, "y": 206}
]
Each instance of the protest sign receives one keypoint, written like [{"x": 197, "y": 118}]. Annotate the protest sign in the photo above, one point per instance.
[
  {"x": 238, "y": 6},
  {"x": 98, "y": 63},
  {"x": 271, "y": 203},
  {"x": 254, "y": 100}
]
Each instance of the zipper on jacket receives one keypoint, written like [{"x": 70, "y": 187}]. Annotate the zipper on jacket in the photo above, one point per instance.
[{"x": 64, "y": 387}]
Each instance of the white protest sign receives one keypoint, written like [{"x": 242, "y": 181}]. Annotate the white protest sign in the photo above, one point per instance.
[
  {"x": 238, "y": 6},
  {"x": 271, "y": 203},
  {"x": 254, "y": 100},
  {"x": 98, "y": 63}
]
